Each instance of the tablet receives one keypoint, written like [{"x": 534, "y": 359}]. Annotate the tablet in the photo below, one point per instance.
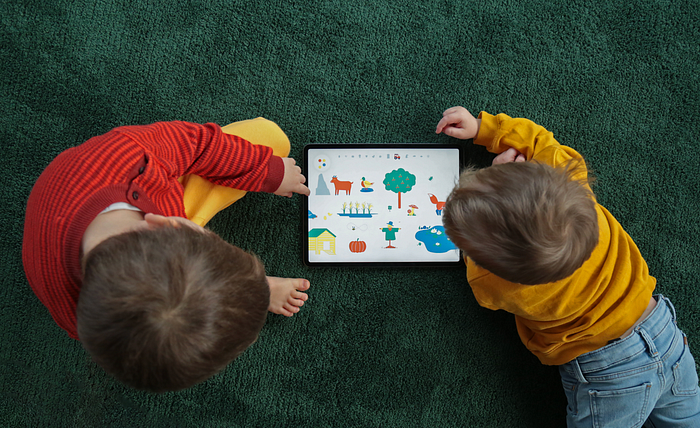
[{"x": 378, "y": 204}]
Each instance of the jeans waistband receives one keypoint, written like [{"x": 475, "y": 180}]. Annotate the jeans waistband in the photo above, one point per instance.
[{"x": 652, "y": 326}]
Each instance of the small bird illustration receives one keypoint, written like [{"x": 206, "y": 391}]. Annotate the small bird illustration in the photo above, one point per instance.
[{"x": 366, "y": 185}]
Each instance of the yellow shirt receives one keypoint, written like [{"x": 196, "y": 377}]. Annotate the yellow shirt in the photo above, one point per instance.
[{"x": 561, "y": 320}]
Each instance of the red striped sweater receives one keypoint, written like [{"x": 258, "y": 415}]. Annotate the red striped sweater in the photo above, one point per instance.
[{"x": 139, "y": 165}]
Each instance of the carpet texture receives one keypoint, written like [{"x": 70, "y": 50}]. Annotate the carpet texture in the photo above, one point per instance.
[{"x": 406, "y": 347}]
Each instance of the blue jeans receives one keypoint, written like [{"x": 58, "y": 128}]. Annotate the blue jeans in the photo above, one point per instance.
[{"x": 649, "y": 376}]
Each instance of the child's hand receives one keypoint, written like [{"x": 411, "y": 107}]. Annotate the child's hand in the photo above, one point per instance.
[
  {"x": 459, "y": 123},
  {"x": 293, "y": 181},
  {"x": 510, "y": 155}
]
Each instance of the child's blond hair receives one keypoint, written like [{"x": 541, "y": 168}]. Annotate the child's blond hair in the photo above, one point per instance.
[{"x": 526, "y": 222}]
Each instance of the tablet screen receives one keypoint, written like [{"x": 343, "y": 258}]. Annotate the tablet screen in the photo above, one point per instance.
[{"x": 378, "y": 204}]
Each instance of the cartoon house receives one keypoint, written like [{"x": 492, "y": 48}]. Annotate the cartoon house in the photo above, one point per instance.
[{"x": 322, "y": 240}]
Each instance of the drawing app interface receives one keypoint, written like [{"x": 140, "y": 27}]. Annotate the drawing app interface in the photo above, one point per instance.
[{"x": 380, "y": 205}]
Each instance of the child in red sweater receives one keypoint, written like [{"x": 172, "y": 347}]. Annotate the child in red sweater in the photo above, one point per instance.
[{"x": 114, "y": 247}]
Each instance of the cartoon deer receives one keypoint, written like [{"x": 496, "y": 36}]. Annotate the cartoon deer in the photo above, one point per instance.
[
  {"x": 438, "y": 204},
  {"x": 341, "y": 185}
]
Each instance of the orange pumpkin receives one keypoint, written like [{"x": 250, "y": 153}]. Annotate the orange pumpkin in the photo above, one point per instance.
[{"x": 358, "y": 246}]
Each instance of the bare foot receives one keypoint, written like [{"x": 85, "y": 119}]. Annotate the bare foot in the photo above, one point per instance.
[{"x": 286, "y": 297}]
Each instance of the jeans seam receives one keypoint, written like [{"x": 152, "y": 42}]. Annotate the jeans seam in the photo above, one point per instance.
[
  {"x": 677, "y": 391},
  {"x": 620, "y": 375},
  {"x": 614, "y": 363},
  {"x": 661, "y": 331}
]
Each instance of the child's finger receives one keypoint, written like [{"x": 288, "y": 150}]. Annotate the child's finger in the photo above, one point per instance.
[
  {"x": 450, "y": 119},
  {"x": 303, "y": 190},
  {"x": 505, "y": 157},
  {"x": 452, "y": 110},
  {"x": 449, "y": 131}
]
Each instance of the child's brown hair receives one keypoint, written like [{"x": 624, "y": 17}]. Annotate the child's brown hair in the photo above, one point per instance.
[
  {"x": 167, "y": 308},
  {"x": 526, "y": 222}
]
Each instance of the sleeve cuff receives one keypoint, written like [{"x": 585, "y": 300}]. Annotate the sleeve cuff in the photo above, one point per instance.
[
  {"x": 487, "y": 130},
  {"x": 275, "y": 174}
]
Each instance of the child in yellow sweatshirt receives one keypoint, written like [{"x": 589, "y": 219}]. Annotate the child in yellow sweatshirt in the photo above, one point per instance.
[{"x": 538, "y": 245}]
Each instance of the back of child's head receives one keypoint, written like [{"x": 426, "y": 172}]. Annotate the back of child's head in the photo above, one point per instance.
[
  {"x": 526, "y": 222},
  {"x": 167, "y": 308}
]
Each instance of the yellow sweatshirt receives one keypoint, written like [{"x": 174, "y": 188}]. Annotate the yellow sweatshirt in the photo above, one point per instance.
[{"x": 561, "y": 320}]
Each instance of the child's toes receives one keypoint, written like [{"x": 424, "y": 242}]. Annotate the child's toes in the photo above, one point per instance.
[
  {"x": 291, "y": 309},
  {"x": 303, "y": 284},
  {"x": 296, "y": 302},
  {"x": 285, "y": 312},
  {"x": 299, "y": 295}
]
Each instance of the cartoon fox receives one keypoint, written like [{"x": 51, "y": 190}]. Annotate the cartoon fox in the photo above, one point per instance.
[{"x": 438, "y": 205}]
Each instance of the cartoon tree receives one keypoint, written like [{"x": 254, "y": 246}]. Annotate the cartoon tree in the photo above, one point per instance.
[{"x": 399, "y": 181}]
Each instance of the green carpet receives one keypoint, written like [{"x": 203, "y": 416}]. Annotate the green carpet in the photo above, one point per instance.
[{"x": 374, "y": 347}]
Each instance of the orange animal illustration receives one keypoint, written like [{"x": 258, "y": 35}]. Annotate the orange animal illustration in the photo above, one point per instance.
[
  {"x": 341, "y": 185},
  {"x": 438, "y": 205}
]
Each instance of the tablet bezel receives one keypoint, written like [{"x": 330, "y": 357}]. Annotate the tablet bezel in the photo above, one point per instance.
[{"x": 392, "y": 146}]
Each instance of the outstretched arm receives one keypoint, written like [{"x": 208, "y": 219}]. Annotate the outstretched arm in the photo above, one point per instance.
[
  {"x": 513, "y": 139},
  {"x": 189, "y": 148}
]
